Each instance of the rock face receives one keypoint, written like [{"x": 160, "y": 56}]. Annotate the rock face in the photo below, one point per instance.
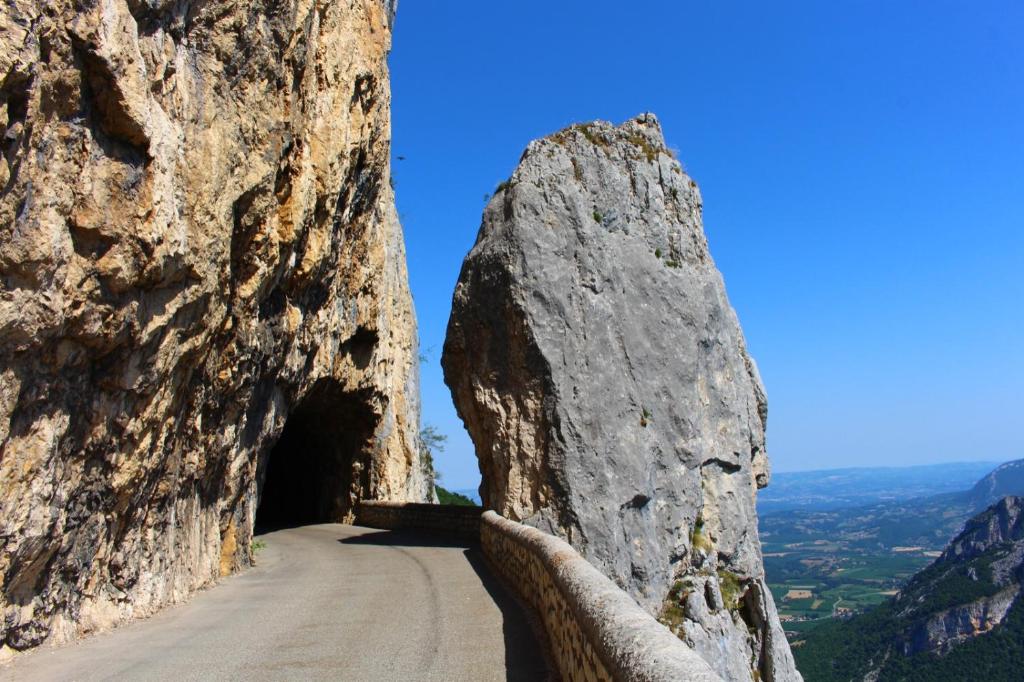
[
  {"x": 596, "y": 362},
  {"x": 201, "y": 259},
  {"x": 942, "y": 631},
  {"x": 1000, "y": 525}
]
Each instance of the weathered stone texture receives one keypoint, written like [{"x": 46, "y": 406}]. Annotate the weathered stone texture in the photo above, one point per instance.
[
  {"x": 594, "y": 631},
  {"x": 197, "y": 238},
  {"x": 602, "y": 374}
]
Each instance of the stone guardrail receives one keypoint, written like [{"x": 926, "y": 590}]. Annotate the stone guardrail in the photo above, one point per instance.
[
  {"x": 594, "y": 630},
  {"x": 443, "y": 519}
]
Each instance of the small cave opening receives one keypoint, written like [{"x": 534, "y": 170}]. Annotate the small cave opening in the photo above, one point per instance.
[{"x": 320, "y": 465}]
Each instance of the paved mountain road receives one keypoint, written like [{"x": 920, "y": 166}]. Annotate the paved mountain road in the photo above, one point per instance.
[{"x": 324, "y": 602}]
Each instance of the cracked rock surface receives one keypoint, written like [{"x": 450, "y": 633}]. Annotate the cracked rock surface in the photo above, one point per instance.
[
  {"x": 197, "y": 239},
  {"x": 603, "y": 377}
]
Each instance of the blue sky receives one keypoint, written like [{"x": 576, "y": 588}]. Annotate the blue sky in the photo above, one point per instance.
[{"x": 862, "y": 167}]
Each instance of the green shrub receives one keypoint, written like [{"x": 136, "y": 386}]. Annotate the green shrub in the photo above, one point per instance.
[
  {"x": 672, "y": 612},
  {"x": 431, "y": 440},
  {"x": 732, "y": 588},
  {"x": 698, "y": 538}
]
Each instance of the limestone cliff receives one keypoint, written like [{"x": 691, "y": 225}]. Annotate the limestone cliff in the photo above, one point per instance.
[
  {"x": 602, "y": 374},
  {"x": 198, "y": 244}
]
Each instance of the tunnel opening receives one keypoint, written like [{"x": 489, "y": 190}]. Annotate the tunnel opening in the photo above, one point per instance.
[{"x": 320, "y": 466}]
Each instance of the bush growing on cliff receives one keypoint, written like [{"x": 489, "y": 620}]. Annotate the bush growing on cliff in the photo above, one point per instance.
[
  {"x": 650, "y": 152},
  {"x": 698, "y": 538},
  {"x": 645, "y": 417},
  {"x": 731, "y": 588},
  {"x": 672, "y": 613}
]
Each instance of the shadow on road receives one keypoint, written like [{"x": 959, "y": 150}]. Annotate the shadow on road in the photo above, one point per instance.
[
  {"x": 525, "y": 659},
  {"x": 404, "y": 538}
]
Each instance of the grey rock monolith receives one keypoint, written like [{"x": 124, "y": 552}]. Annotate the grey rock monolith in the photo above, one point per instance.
[{"x": 603, "y": 377}]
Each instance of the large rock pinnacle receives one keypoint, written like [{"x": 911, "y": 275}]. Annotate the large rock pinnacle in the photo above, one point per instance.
[{"x": 602, "y": 374}]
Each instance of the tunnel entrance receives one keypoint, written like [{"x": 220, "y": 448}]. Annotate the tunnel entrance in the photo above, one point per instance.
[{"x": 320, "y": 466}]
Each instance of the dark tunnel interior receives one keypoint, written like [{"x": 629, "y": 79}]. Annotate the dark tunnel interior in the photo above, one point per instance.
[{"x": 319, "y": 466}]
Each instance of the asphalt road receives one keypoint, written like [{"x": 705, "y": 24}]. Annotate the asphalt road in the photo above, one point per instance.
[{"x": 324, "y": 602}]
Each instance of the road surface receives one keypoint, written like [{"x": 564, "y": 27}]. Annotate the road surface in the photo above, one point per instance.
[{"x": 324, "y": 602}]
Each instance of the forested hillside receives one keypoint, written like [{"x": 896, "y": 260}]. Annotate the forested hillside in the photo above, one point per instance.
[{"x": 960, "y": 618}]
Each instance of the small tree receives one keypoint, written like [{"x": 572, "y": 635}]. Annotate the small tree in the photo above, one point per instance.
[{"x": 431, "y": 441}]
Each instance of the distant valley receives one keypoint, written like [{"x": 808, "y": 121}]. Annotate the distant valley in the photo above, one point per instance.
[
  {"x": 853, "y": 487},
  {"x": 834, "y": 558},
  {"x": 960, "y": 618}
]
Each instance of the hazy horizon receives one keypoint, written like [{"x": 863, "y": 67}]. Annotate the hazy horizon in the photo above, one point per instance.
[{"x": 993, "y": 462}]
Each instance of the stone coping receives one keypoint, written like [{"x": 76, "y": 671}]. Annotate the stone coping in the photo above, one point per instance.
[{"x": 631, "y": 644}]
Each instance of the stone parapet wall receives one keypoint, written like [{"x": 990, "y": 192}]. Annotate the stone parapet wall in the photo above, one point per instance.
[
  {"x": 595, "y": 630},
  {"x": 447, "y": 519}
]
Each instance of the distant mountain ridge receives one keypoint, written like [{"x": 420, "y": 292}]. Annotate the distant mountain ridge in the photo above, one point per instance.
[
  {"x": 1006, "y": 479},
  {"x": 832, "y": 489},
  {"x": 830, "y": 560},
  {"x": 960, "y": 618},
  {"x": 928, "y": 521}
]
